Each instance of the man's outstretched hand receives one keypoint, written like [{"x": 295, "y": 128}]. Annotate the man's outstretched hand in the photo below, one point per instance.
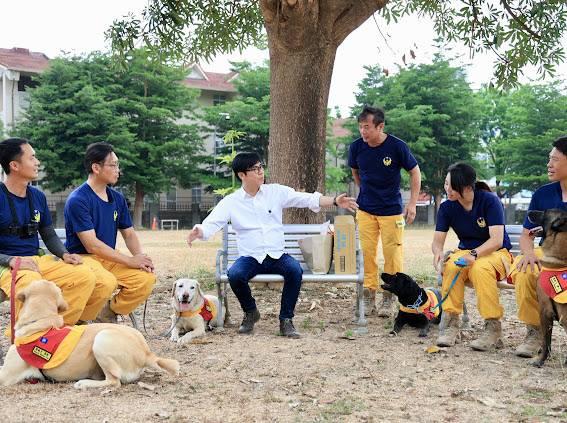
[
  {"x": 345, "y": 202},
  {"x": 195, "y": 233}
]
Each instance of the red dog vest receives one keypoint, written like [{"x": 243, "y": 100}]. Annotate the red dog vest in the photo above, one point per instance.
[
  {"x": 554, "y": 283},
  {"x": 49, "y": 349}
]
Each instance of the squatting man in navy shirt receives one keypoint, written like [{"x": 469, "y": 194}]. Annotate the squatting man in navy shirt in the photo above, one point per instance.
[
  {"x": 255, "y": 212},
  {"x": 376, "y": 160},
  {"x": 24, "y": 214}
]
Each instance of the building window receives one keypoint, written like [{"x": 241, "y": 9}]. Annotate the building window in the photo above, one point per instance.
[
  {"x": 219, "y": 99},
  {"x": 25, "y": 82}
]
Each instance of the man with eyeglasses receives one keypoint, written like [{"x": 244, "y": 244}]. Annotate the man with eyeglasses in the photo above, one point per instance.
[
  {"x": 255, "y": 212},
  {"x": 94, "y": 213},
  {"x": 23, "y": 215}
]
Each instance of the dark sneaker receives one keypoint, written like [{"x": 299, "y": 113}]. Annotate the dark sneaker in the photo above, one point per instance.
[
  {"x": 250, "y": 317},
  {"x": 287, "y": 329},
  {"x": 106, "y": 315}
]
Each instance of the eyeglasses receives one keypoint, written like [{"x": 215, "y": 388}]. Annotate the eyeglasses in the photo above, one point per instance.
[
  {"x": 113, "y": 165},
  {"x": 258, "y": 168}
]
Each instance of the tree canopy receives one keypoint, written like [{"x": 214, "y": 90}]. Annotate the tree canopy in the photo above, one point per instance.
[{"x": 81, "y": 100}]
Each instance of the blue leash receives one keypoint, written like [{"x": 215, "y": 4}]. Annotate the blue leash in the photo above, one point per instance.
[{"x": 461, "y": 263}]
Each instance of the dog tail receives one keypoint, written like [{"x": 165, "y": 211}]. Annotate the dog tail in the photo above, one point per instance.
[{"x": 170, "y": 366}]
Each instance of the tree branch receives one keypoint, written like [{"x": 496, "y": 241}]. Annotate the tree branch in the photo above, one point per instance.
[
  {"x": 518, "y": 20},
  {"x": 353, "y": 16}
]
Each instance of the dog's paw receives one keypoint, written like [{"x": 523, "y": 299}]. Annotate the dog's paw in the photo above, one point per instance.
[
  {"x": 393, "y": 333},
  {"x": 537, "y": 363},
  {"x": 81, "y": 384},
  {"x": 174, "y": 337},
  {"x": 185, "y": 339},
  {"x": 422, "y": 334}
]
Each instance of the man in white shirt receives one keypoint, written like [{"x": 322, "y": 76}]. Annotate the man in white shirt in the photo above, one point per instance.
[{"x": 255, "y": 212}]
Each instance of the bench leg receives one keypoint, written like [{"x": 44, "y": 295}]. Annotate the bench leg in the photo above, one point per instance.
[
  {"x": 361, "y": 322},
  {"x": 221, "y": 296}
]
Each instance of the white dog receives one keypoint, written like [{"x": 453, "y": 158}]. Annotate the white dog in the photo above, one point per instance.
[{"x": 194, "y": 311}]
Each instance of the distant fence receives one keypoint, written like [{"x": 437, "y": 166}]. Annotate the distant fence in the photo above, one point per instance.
[{"x": 189, "y": 211}]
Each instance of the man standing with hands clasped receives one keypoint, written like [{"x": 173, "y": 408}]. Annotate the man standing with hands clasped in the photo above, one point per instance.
[{"x": 255, "y": 212}]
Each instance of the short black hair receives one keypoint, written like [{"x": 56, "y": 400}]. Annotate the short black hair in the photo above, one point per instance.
[
  {"x": 10, "y": 150},
  {"x": 462, "y": 175},
  {"x": 376, "y": 112},
  {"x": 561, "y": 144},
  {"x": 244, "y": 161},
  {"x": 96, "y": 153}
]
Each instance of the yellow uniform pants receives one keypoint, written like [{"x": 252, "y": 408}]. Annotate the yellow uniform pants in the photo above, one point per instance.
[
  {"x": 484, "y": 273},
  {"x": 77, "y": 283},
  {"x": 134, "y": 285},
  {"x": 526, "y": 294},
  {"x": 370, "y": 228}
]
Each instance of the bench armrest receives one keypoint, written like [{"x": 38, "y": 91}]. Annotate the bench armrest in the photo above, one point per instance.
[{"x": 219, "y": 270}]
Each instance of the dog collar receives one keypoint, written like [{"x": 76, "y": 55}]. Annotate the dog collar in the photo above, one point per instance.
[
  {"x": 429, "y": 309},
  {"x": 554, "y": 283}
]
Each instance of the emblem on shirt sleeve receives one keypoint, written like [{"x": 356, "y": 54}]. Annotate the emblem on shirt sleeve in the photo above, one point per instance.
[
  {"x": 36, "y": 216},
  {"x": 481, "y": 222},
  {"x": 387, "y": 161},
  {"x": 115, "y": 215}
]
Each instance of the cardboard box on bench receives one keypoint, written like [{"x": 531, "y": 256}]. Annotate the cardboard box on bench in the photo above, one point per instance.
[{"x": 345, "y": 248}]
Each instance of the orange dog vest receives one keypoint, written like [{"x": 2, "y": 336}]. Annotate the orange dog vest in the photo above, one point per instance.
[
  {"x": 49, "y": 349},
  {"x": 429, "y": 309},
  {"x": 554, "y": 283}
]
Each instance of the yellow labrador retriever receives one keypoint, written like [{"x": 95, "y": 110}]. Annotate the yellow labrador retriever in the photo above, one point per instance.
[
  {"x": 194, "y": 311},
  {"x": 103, "y": 354}
]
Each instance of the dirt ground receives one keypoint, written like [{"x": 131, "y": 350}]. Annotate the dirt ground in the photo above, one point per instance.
[{"x": 330, "y": 374}]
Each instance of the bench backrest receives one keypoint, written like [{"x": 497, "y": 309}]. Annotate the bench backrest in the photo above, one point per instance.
[
  {"x": 60, "y": 233},
  {"x": 514, "y": 232},
  {"x": 292, "y": 233}
]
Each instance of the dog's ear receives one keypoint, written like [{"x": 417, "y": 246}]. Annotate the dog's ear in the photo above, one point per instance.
[
  {"x": 61, "y": 304},
  {"x": 536, "y": 217},
  {"x": 21, "y": 296},
  {"x": 201, "y": 293}
]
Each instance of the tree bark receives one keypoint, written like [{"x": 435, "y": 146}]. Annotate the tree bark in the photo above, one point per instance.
[
  {"x": 303, "y": 37},
  {"x": 138, "y": 205}
]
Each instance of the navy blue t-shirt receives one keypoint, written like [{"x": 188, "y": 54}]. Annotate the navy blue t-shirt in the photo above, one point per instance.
[
  {"x": 84, "y": 210},
  {"x": 546, "y": 197},
  {"x": 472, "y": 226},
  {"x": 13, "y": 245},
  {"x": 379, "y": 170}
]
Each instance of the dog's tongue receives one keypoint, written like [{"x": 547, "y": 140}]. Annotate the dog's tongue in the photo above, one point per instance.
[{"x": 183, "y": 306}]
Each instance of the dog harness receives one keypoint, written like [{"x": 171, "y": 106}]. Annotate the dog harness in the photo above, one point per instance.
[
  {"x": 554, "y": 283},
  {"x": 49, "y": 349},
  {"x": 208, "y": 311},
  {"x": 429, "y": 309}
]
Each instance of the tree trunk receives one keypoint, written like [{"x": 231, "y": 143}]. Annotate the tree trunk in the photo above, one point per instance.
[
  {"x": 138, "y": 205},
  {"x": 437, "y": 196},
  {"x": 303, "y": 37}
]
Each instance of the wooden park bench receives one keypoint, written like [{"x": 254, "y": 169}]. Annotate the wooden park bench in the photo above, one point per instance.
[
  {"x": 228, "y": 254},
  {"x": 63, "y": 237}
]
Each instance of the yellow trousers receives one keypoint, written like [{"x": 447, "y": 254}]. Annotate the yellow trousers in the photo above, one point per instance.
[
  {"x": 370, "y": 228},
  {"x": 526, "y": 294},
  {"x": 484, "y": 273},
  {"x": 77, "y": 283},
  {"x": 134, "y": 285}
]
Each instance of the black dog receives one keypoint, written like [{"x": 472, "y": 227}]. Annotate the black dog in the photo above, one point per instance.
[
  {"x": 418, "y": 306},
  {"x": 552, "y": 284}
]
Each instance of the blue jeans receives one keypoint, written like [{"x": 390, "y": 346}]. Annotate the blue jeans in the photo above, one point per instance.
[{"x": 245, "y": 268}]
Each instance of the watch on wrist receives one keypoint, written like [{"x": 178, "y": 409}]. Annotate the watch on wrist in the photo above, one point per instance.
[
  {"x": 335, "y": 202},
  {"x": 474, "y": 253}
]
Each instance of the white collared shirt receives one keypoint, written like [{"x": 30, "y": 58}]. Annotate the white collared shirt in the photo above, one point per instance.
[{"x": 257, "y": 220}]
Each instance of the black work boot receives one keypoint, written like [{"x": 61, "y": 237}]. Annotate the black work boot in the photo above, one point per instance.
[
  {"x": 250, "y": 317},
  {"x": 287, "y": 329}
]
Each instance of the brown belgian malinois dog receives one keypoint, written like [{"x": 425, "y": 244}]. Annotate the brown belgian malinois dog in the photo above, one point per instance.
[{"x": 552, "y": 284}]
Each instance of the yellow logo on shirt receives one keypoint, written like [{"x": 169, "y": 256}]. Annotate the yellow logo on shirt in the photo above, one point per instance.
[
  {"x": 36, "y": 216},
  {"x": 115, "y": 215},
  {"x": 481, "y": 222},
  {"x": 387, "y": 161}
]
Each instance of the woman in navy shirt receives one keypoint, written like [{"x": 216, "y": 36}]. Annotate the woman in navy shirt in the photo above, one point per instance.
[{"x": 477, "y": 217}]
